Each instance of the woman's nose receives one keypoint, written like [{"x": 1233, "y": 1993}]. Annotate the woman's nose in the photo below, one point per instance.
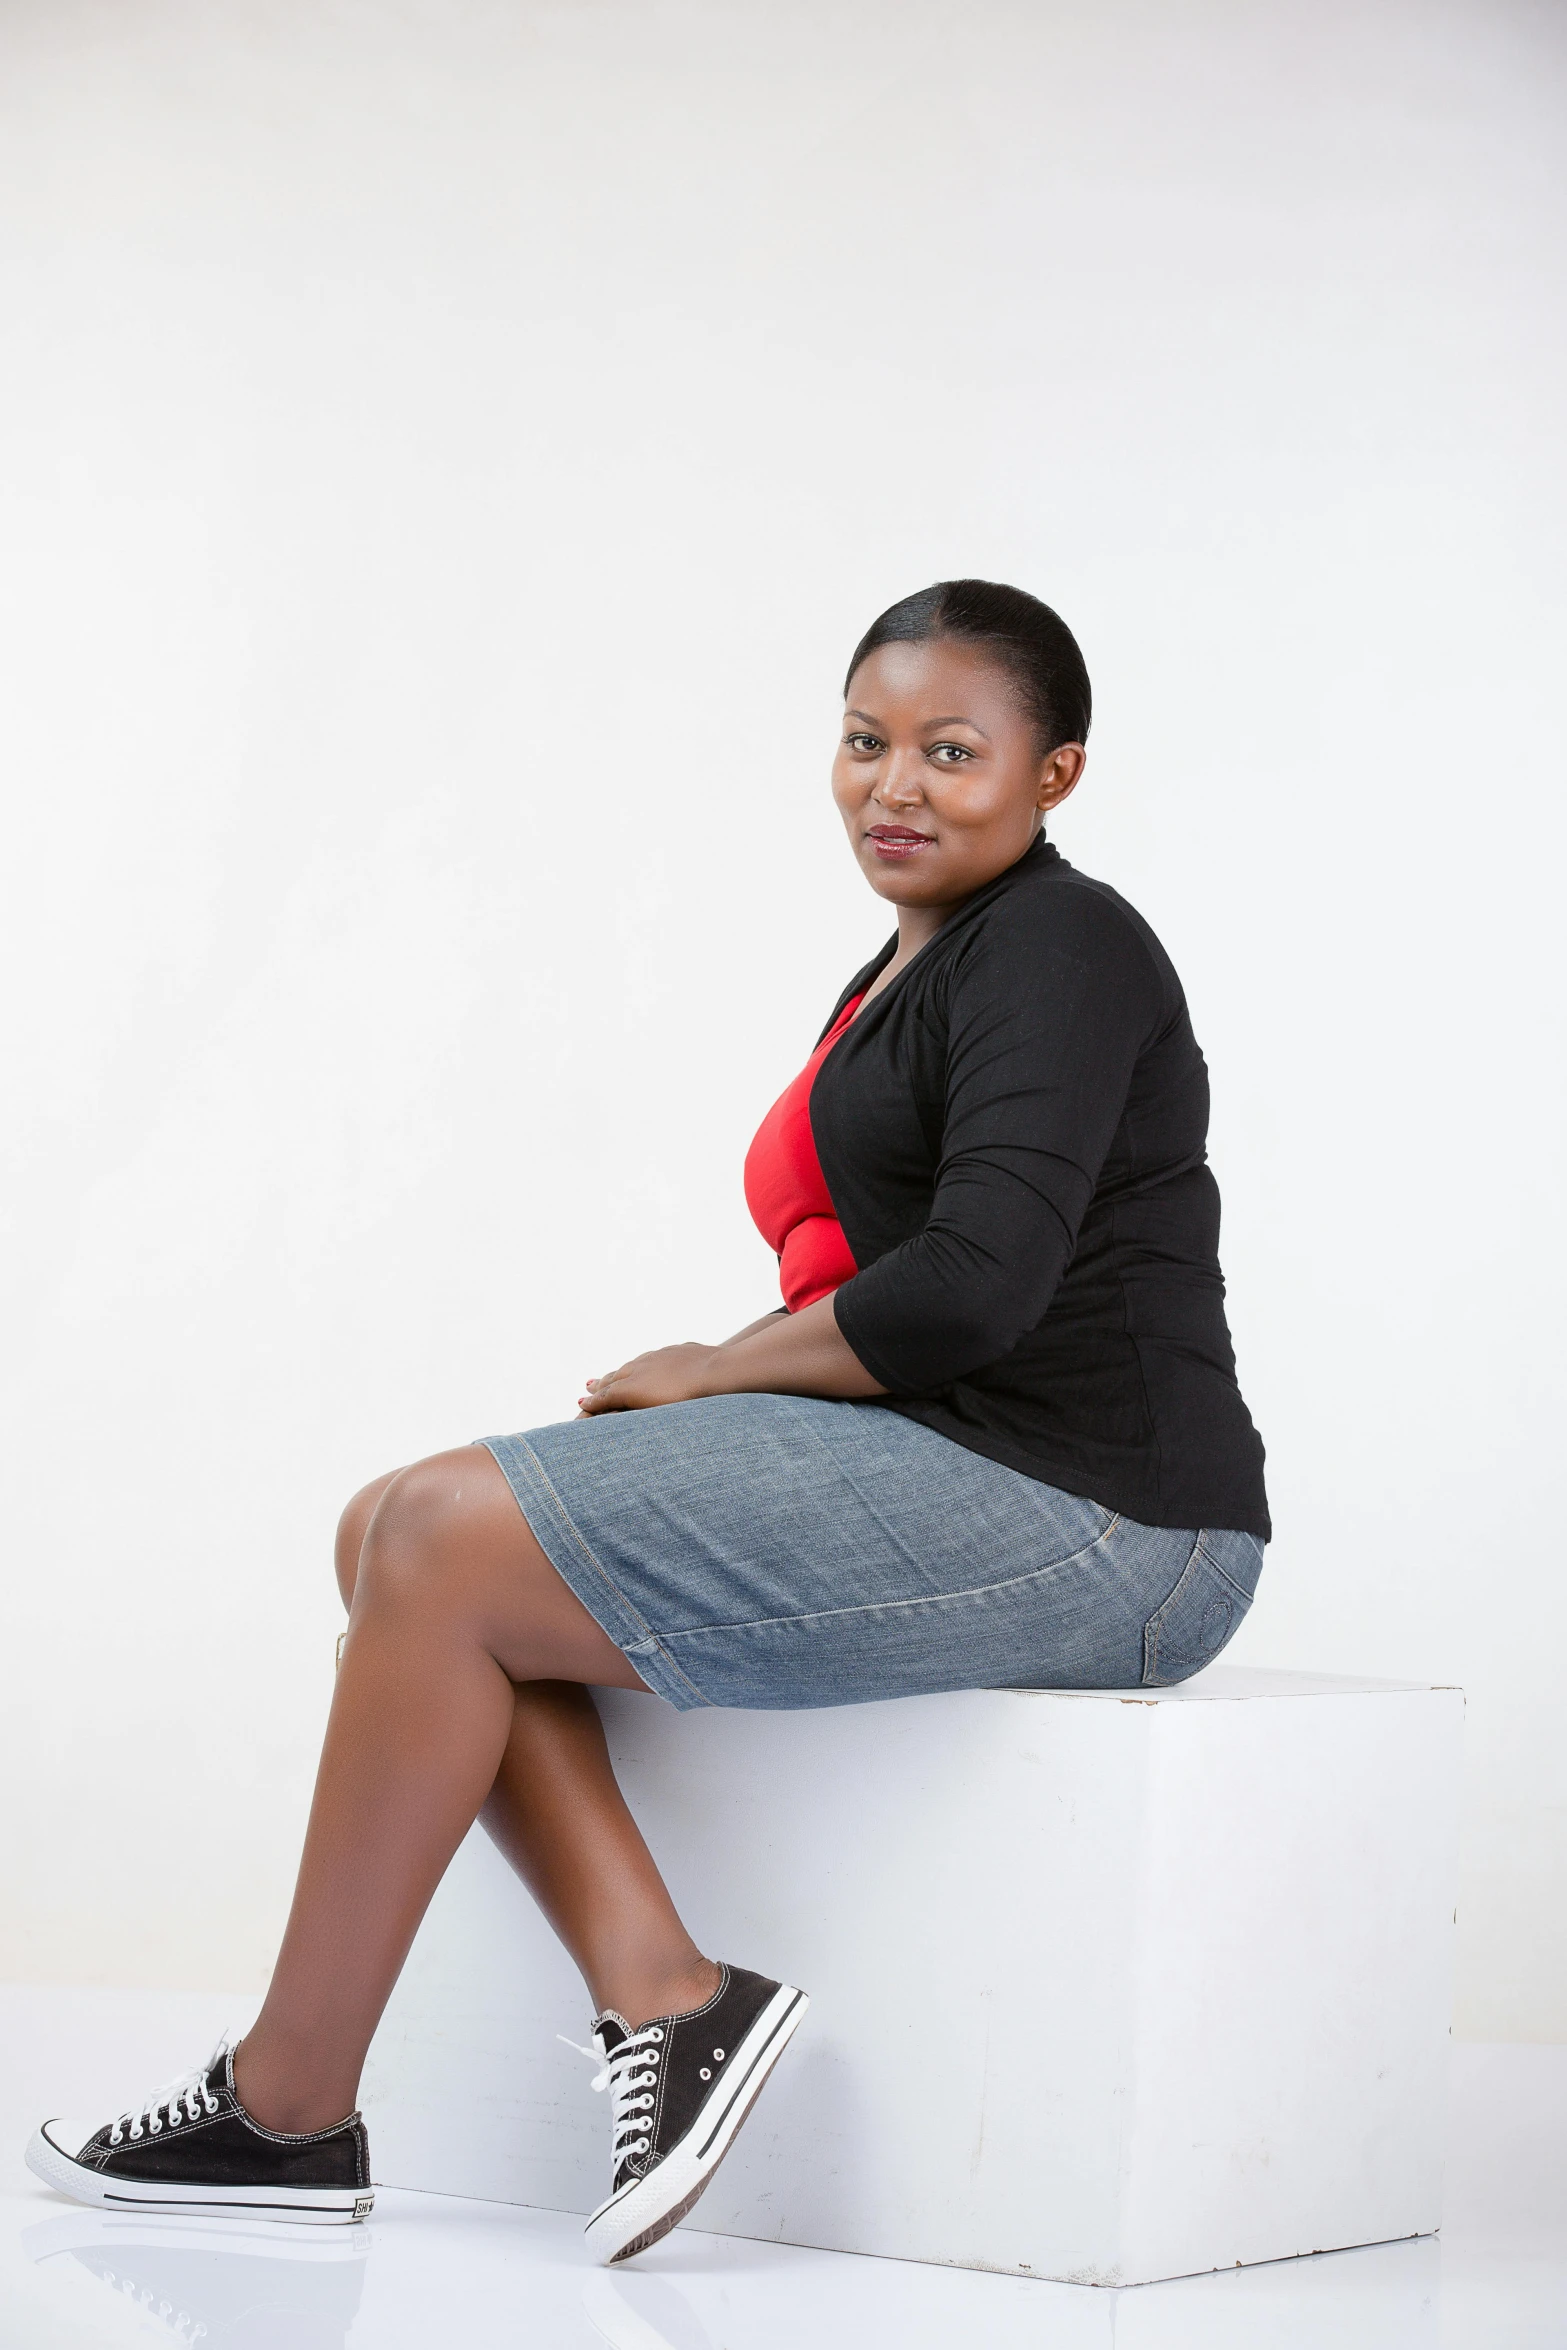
[{"x": 899, "y": 783}]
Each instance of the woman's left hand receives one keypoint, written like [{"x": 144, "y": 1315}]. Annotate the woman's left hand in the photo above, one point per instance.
[{"x": 669, "y": 1374}]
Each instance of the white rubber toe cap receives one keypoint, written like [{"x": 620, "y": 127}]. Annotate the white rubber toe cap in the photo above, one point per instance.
[{"x": 69, "y": 2137}]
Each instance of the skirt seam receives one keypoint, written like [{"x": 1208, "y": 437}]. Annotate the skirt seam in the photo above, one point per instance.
[
  {"x": 655, "y": 1639},
  {"x": 871, "y": 1607}
]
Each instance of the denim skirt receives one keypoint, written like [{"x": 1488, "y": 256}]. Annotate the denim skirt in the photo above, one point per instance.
[{"x": 777, "y": 1550}]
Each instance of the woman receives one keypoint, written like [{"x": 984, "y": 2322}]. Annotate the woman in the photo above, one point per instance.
[{"x": 993, "y": 1437}]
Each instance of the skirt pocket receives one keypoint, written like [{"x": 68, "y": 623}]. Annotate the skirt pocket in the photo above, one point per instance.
[{"x": 1204, "y": 1610}]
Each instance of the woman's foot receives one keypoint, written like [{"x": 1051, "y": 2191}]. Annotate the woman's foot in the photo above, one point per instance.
[
  {"x": 680, "y": 2088},
  {"x": 192, "y": 2148}
]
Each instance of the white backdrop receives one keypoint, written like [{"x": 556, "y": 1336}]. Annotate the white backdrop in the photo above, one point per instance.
[{"x": 449, "y": 450}]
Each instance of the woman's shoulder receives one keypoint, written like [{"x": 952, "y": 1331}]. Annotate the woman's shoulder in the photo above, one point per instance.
[
  {"x": 1058, "y": 944},
  {"x": 1051, "y": 908}
]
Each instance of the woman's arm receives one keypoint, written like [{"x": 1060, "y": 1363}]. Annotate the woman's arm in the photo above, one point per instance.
[
  {"x": 1044, "y": 1031},
  {"x": 784, "y": 1354},
  {"x": 1045, "y": 1024},
  {"x": 763, "y": 1322}
]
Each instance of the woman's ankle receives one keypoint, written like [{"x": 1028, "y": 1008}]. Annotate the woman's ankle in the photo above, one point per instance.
[
  {"x": 674, "y": 1992},
  {"x": 287, "y": 2097}
]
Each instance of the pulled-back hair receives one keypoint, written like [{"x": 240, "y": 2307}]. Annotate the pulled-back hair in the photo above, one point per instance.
[{"x": 1028, "y": 640}]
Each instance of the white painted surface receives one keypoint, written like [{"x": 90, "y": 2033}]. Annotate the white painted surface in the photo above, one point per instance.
[
  {"x": 432, "y": 2269},
  {"x": 1104, "y": 1988},
  {"x": 446, "y": 454}
]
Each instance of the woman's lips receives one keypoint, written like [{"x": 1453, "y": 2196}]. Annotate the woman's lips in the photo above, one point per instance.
[{"x": 897, "y": 841}]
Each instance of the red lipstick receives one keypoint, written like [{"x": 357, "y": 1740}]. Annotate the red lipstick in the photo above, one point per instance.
[{"x": 897, "y": 842}]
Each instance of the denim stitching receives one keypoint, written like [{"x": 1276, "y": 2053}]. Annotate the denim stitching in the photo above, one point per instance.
[
  {"x": 600, "y": 1571},
  {"x": 884, "y": 1606},
  {"x": 1245, "y": 1597},
  {"x": 572, "y": 1530},
  {"x": 1153, "y": 1630}
]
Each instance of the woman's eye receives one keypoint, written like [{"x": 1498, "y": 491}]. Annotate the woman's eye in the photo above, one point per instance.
[
  {"x": 862, "y": 742},
  {"x": 949, "y": 754}
]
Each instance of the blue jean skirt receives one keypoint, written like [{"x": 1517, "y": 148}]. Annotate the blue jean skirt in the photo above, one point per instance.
[{"x": 777, "y": 1550}]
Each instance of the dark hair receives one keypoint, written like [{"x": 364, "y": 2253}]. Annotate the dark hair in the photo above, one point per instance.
[{"x": 1032, "y": 643}]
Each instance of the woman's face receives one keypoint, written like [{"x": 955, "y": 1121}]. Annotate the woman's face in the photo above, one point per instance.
[{"x": 939, "y": 777}]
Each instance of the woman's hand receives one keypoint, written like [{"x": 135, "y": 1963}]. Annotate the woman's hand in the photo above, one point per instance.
[
  {"x": 782, "y": 1354},
  {"x": 669, "y": 1374}
]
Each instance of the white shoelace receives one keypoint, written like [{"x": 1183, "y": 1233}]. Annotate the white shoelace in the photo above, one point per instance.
[
  {"x": 631, "y": 2077},
  {"x": 181, "y": 2100}
]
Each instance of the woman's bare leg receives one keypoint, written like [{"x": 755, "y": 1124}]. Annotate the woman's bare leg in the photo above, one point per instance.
[
  {"x": 457, "y": 1614},
  {"x": 557, "y": 1813}
]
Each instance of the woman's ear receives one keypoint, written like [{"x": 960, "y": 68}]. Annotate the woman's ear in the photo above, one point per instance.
[{"x": 1059, "y": 774}]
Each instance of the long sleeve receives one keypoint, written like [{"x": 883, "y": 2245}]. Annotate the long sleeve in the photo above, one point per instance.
[{"x": 1044, "y": 1026}]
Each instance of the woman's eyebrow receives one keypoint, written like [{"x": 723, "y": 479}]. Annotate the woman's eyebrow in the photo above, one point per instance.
[{"x": 928, "y": 724}]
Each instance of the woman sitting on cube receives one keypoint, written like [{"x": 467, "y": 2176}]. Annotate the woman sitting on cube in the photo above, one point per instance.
[{"x": 991, "y": 1438}]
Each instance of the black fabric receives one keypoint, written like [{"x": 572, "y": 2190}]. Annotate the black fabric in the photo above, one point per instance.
[
  {"x": 1014, "y": 1136},
  {"x": 705, "y": 2040},
  {"x": 228, "y": 2149}
]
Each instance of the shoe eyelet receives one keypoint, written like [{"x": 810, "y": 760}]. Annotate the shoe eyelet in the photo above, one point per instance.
[
  {"x": 705, "y": 2074},
  {"x": 718, "y": 2056}
]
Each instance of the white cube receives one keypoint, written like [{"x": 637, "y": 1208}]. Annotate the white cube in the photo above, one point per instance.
[{"x": 1105, "y": 1987}]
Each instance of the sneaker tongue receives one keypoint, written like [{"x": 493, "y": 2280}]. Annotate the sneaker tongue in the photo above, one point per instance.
[{"x": 609, "y": 2029}]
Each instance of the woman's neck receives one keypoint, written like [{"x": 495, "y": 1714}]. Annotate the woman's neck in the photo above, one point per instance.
[{"x": 917, "y": 926}]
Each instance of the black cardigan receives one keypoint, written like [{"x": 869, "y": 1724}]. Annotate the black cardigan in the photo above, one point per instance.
[{"x": 1014, "y": 1137}]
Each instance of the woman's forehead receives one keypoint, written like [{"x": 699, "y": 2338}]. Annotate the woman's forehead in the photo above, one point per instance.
[{"x": 936, "y": 681}]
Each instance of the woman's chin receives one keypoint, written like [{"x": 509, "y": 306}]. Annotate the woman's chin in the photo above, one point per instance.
[{"x": 902, "y": 884}]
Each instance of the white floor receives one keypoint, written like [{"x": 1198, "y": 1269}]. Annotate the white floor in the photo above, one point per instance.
[{"x": 430, "y": 2270}]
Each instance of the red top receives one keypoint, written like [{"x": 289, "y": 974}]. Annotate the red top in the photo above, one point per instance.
[{"x": 787, "y": 1193}]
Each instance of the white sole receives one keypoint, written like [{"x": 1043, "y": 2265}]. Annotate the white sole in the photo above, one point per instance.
[
  {"x": 303, "y": 2206},
  {"x": 643, "y": 2210}
]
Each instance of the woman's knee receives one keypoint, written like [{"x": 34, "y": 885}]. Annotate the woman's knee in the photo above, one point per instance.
[
  {"x": 352, "y": 1527},
  {"x": 426, "y": 1526}
]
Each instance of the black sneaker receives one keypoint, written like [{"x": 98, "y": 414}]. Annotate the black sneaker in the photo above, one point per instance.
[
  {"x": 680, "y": 2088},
  {"x": 193, "y": 2148}
]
